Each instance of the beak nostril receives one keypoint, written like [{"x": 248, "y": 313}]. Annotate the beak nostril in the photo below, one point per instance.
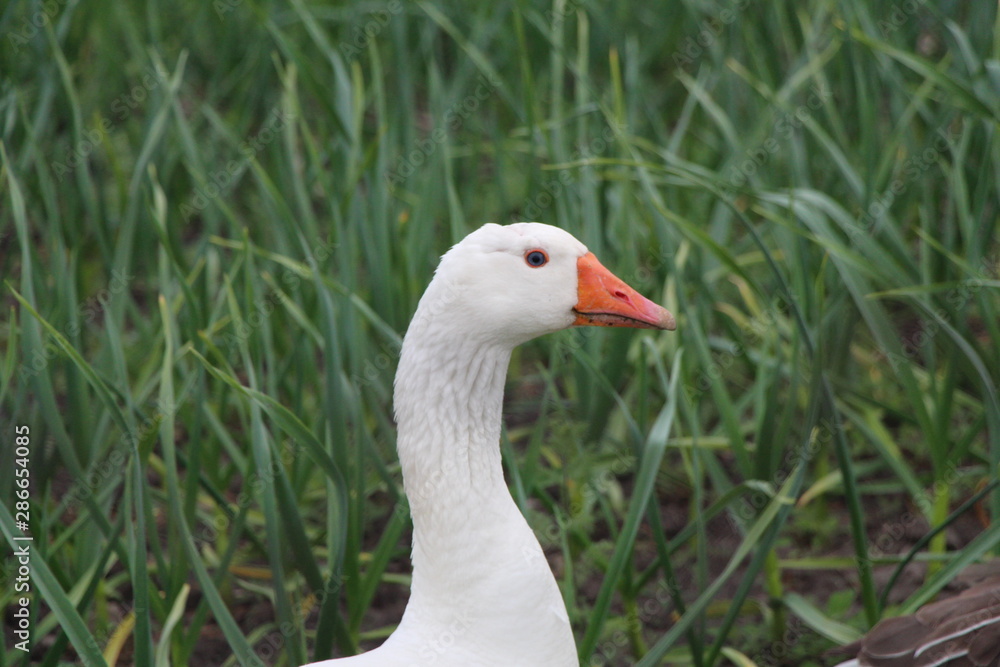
[{"x": 621, "y": 295}]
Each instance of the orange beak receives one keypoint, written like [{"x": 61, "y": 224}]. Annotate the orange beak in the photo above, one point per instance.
[{"x": 603, "y": 299}]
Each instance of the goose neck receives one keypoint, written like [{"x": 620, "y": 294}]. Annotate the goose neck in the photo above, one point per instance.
[{"x": 448, "y": 401}]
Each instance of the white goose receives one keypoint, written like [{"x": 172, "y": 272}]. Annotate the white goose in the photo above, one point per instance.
[{"x": 482, "y": 591}]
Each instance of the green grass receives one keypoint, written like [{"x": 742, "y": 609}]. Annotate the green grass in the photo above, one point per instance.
[{"x": 217, "y": 218}]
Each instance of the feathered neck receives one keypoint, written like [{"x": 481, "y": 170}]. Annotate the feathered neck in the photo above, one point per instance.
[
  {"x": 477, "y": 565},
  {"x": 448, "y": 403}
]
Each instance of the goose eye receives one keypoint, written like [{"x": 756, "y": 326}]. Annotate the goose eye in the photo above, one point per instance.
[{"x": 536, "y": 258}]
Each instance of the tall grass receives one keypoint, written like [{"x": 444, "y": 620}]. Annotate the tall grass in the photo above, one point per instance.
[{"x": 217, "y": 219}]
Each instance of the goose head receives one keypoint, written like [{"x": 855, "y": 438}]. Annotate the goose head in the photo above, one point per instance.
[
  {"x": 477, "y": 564},
  {"x": 509, "y": 284}
]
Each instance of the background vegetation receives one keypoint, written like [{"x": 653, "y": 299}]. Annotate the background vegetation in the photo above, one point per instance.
[{"x": 217, "y": 218}]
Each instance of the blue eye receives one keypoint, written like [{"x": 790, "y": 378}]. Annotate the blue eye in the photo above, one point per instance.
[{"x": 536, "y": 258}]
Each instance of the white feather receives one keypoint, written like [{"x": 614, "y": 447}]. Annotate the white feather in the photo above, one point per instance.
[{"x": 482, "y": 591}]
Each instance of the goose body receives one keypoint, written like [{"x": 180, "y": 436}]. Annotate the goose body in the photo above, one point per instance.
[
  {"x": 962, "y": 631},
  {"x": 482, "y": 593}
]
